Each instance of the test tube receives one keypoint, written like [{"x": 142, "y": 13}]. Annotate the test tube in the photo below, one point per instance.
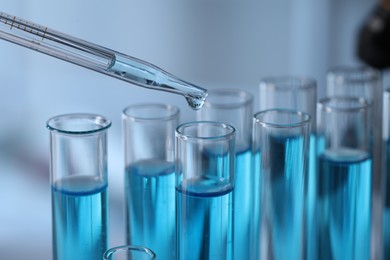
[
  {"x": 280, "y": 145},
  {"x": 204, "y": 184},
  {"x": 235, "y": 107},
  {"x": 149, "y": 141},
  {"x": 344, "y": 178},
  {"x": 365, "y": 82},
  {"x": 386, "y": 140},
  {"x": 78, "y": 167},
  {"x": 297, "y": 93},
  {"x": 128, "y": 252}
]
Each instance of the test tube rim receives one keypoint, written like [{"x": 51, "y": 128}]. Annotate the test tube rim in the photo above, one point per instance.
[
  {"x": 306, "y": 118},
  {"x": 247, "y": 98},
  {"x": 181, "y": 135},
  {"x": 286, "y": 81},
  {"x": 112, "y": 250},
  {"x": 100, "y": 122},
  {"x": 344, "y": 74},
  {"x": 174, "y": 112},
  {"x": 364, "y": 104}
]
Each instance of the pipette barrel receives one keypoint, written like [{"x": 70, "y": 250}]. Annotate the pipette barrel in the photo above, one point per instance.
[{"x": 97, "y": 58}]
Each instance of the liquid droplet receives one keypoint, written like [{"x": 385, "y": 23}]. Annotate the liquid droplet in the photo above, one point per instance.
[{"x": 196, "y": 102}]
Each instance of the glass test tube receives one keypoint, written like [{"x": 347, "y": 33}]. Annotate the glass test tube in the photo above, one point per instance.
[
  {"x": 129, "y": 253},
  {"x": 344, "y": 178},
  {"x": 365, "y": 82},
  {"x": 386, "y": 142},
  {"x": 149, "y": 141},
  {"x": 297, "y": 93},
  {"x": 280, "y": 145},
  {"x": 204, "y": 183},
  {"x": 235, "y": 107},
  {"x": 79, "y": 185}
]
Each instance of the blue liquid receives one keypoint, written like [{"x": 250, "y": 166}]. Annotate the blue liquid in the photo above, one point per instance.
[
  {"x": 255, "y": 221},
  {"x": 80, "y": 218},
  {"x": 282, "y": 197},
  {"x": 310, "y": 195},
  {"x": 386, "y": 211},
  {"x": 204, "y": 219},
  {"x": 243, "y": 205},
  {"x": 279, "y": 200},
  {"x": 386, "y": 232},
  {"x": 150, "y": 206},
  {"x": 344, "y": 203}
]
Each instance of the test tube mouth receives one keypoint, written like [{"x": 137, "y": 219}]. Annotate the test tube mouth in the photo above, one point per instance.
[
  {"x": 282, "y": 118},
  {"x": 343, "y": 104},
  {"x": 352, "y": 74},
  {"x": 127, "y": 248},
  {"x": 288, "y": 82},
  {"x": 224, "y": 98},
  {"x": 78, "y": 123},
  {"x": 205, "y": 130},
  {"x": 150, "y": 112}
]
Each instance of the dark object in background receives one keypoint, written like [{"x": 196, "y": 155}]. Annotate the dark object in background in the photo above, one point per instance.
[{"x": 374, "y": 37}]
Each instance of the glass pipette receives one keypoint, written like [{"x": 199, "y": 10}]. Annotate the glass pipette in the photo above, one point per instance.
[{"x": 97, "y": 58}]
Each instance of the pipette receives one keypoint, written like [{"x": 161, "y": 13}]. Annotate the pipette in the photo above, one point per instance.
[{"x": 97, "y": 58}]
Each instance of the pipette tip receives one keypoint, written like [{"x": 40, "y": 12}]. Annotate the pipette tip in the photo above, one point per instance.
[{"x": 196, "y": 100}]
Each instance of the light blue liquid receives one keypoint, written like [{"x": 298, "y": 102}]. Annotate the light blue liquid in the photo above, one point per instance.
[
  {"x": 279, "y": 199},
  {"x": 310, "y": 196},
  {"x": 204, "y": 219},
  {"x": 80, "y": 218},
  {"x": 344, "y": 203},
  {"x": 150, "y": 206},
  {"x": 243, "y": 205},
  {"x": 255, "y": 221},
  {"x": 386, "y": 232},
  {"x": 282, "y": 197},
  {"x": 386, "y": 211}
]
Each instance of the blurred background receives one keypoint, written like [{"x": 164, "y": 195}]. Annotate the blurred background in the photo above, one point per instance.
[{"x": 213, "y": 44}]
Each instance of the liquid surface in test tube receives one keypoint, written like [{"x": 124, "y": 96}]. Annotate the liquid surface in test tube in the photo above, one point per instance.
[
  {"x": 204, "y": 219},
  {"x": 344, "y": 199},
  {"x": 80, "y": 218},
  {"x": 150, "y": 206}
]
